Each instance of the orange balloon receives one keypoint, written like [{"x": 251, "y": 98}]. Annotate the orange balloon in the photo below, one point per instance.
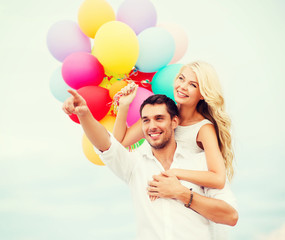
[
  {"x": 108, "y": 122},
  {"x": 88, "y": 149},
  {"x": 116, "y": 87}
]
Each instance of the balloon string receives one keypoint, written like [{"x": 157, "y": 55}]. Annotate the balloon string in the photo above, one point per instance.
[{"x": 128, "y": 79}]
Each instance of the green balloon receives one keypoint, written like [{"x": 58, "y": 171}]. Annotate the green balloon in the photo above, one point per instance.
[
  {"x": 136, "y": 145},
  {"x": 163, "y": 80}
]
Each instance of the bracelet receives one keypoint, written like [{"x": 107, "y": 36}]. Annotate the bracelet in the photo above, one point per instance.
[{"x": 191, "y": 198}]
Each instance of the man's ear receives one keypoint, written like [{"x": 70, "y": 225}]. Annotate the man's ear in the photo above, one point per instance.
[{"x": 175, "y": 122}]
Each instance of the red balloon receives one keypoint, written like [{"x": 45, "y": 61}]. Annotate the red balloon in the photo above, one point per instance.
[
  {"x": 97, "y": 99},
  {"x": 142, "y": 79}
]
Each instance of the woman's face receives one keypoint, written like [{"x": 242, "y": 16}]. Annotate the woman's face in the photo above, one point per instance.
[{"x": 186, "y": 88}]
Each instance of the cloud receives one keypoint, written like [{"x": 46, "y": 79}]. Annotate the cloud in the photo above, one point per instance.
[{"x": 278, "y": 234}]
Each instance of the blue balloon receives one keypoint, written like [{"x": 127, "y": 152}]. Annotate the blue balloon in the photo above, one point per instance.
[
  {"x": 163, "y": 80},
  {"x": 58, "y": 87},
  {"x": 157, "y": 47}
]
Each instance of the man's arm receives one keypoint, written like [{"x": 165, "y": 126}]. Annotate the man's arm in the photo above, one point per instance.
[
  {"x": 96, "y": 133},
  {"x": 213, "y": 209},
  {"x": 218, "y": 211},
  {"x": 116, "y": 157}
]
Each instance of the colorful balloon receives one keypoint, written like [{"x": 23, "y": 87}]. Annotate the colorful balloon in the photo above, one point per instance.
[
  {"x": 116, "y": 87},
  {"x": 142, "y": 79},
  {"x": 89, "y": 151},
  {"x": 98, "y": 101},
  {"x": 108, "y": 122},
  {"x": 93, "y": 14},
  {"x": 163, "y": 80},
  {"x": 108, "y": 82},
  {"x": 136, "y": 145},
  {"x": 157, "y": 48},
  {"x": 180, "y": 38},
  {"x": 134, "y": 109},
  {"x": 138, "y": 14},
  {"x": 116, "y": 47},
  {"x": 81, "y": 70},
  {"x": 64, "y": 38},
  {"x": 58, "y": 87}
]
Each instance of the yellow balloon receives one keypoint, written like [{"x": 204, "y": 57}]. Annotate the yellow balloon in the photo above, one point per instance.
[
  {"x": 108, "y": 122},
  {"x": 89, "y": 152},
  {"x": 107, "y": 83},
  {"x": 93, "y": 14},
  {"x": 116, "y": 47}
]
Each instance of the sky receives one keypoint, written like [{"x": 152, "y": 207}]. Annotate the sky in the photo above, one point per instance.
[{"x": 48, "y": 188}]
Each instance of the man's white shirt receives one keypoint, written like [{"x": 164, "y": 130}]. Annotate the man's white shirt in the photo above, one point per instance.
[{"x": 165, "y": 219}]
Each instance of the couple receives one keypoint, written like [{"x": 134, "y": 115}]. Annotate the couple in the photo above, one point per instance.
[{"x": 182, "y": 209}]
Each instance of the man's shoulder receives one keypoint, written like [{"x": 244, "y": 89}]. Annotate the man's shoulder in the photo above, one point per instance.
[{"x": 144, "y": 150}]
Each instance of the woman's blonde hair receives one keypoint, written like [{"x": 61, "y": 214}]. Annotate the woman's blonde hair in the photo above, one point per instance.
[{"x": 212, "y": 107}]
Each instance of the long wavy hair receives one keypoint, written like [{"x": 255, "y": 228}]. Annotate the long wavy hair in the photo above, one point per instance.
[{"x": 212, "y": 107}]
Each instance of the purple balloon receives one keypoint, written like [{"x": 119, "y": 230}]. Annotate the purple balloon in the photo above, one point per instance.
[
  {"x": 138, "y": 14},
  {"x": 64, "y": 38}
]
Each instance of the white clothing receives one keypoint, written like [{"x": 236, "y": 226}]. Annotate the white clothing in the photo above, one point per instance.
[
  {"x": 187, "y": 136},
  {"x": 162, "y": 219}
]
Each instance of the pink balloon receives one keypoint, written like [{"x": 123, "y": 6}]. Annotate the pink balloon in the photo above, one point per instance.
[
  {"x": 134, "y": 109},
  {"x": 82, "y": 69},
  {"x": 180, "y": 38},
  {"x": 138, "y": 14}
]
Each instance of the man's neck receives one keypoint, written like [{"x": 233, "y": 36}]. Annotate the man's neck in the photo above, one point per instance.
[{"x": 165, "y": 155}]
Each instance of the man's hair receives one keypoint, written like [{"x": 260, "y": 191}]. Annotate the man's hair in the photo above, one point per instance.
[{"x": 171, "y": 107}]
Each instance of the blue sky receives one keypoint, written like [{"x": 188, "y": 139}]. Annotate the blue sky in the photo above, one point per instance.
[{"x": 49, "y": 190}]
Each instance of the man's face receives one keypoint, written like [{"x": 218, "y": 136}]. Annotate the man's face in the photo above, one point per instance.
[{"x": 157, "y": 126}]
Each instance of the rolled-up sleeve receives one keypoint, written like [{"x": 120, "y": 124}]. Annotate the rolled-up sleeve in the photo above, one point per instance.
[{"x": 118, "y": 159}]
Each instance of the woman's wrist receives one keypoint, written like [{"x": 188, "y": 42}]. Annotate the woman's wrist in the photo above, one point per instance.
[
  {"x": 124, "y": 106},
  {"x": 176, "y": 172}
]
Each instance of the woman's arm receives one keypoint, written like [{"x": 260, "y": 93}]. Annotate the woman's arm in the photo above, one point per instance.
[
  {"x": 132, "y": 134},
  {"x": 216, "y": 210},
  {"x": 127, "y": 136},
  {"x": 120, "y": 126},
  {"x": 215, "y": 177}
]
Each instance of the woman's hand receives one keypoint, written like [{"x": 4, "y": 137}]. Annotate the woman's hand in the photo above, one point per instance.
[
  {"x": 165, "y": 185},
  {"x": 128, "y": 94}
]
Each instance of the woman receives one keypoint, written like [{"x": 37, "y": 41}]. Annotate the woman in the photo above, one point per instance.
[{"x": 204, "y": 125}]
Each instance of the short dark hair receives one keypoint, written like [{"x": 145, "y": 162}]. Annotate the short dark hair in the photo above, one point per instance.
[{"x": 171, "y": 107}]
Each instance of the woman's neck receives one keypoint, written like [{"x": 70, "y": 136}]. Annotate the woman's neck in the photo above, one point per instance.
[{"x": 189, "y": 115}]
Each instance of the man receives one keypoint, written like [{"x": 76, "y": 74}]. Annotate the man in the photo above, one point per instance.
[{"x": 166, "y": 217}]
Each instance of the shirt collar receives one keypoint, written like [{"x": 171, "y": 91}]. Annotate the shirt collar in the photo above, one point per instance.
[{"x": 147, "y": 152}]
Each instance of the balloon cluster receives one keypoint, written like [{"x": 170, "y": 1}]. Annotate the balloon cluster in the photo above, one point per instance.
[{"x": 127, "y": 45}]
